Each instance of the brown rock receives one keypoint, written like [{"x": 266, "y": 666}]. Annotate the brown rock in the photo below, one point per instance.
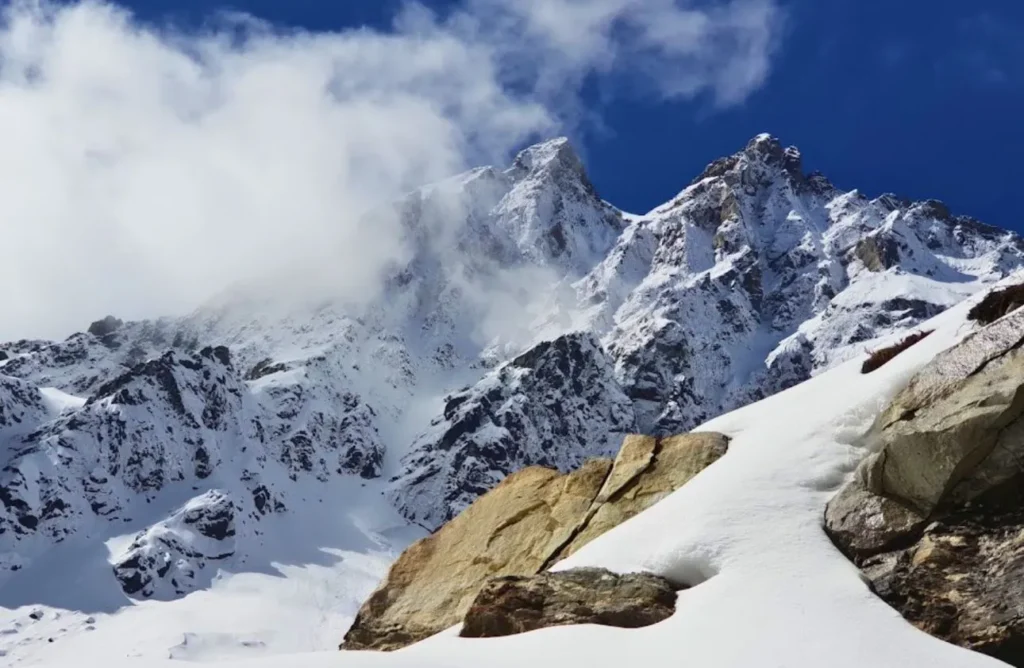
[
  {"x": 949, "y": 435},
  {"x": 964, "y": 581},
  {"x": 646, "y": 470},
  {"x": 517, "y": 604},
  {"x": 527, "y": 523},
  {"x": 864, "y": 524},
  {"x": 511, "y": 530},
  {"x": 935, "y": 519}
]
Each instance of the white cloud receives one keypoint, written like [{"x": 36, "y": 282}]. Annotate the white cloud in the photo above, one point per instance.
[{"x": 144, "y": 169}]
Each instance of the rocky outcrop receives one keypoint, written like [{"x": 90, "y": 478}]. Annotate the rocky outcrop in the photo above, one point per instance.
[
  {"x": 517, "y": 604},
  {"x": 878, "y": 253},
  {"x": 646, "y": 470},
  {"x": 514, "y": 529},
  {"x": 529, "y": 521},
  {"x": 554, "y": 406},
  {"x": 955, "y": 430},
  {"x": 963, "y": 580},
  {"x": 105, "y": 328},
  {"x": 175, "y": 556},
  {"x": 935, "y": 517},
  {"x": 997, "y": 303},
  {"x": 180, "y": 420}
]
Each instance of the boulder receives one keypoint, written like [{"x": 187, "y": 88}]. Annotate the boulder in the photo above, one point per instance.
[
  {"x": 866, "y": 524},
  {"x": 935, "y": 519},
  {"x": 513, "y": 529},
  {"x": 517, "y": 604},
  {"x": 531, "y": 520},
  {"x": 953, "y": 432},
  {"x": 963, "y": 580}
]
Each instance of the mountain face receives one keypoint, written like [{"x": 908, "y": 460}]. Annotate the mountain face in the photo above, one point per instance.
[
  {"x": 178, "y": 422},
  {"x": 754, "y": 278},
  {"x": 530, "y": 323},
  {"x": 555, "y": 405}
]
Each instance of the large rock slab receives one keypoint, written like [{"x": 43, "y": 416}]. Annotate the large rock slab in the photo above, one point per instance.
[
  {"x": 513, "y": 529},
  {"x": 646, "y": 470},
  {"x": 950, "y": 435},
  {"x": 517, "y": 604},
  {"x": 935, "y": 518},
  {"x": 528, "y": 522}
]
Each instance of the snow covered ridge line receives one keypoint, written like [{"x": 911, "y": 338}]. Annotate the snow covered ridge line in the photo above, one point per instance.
[{"x": 755, "y": 278}]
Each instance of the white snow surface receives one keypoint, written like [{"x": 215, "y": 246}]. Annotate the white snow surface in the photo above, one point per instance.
[{"x": 768, "y": 589}]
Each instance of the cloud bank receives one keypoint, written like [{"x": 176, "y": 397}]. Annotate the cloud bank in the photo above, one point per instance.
[{"x": 144, "y": 169}]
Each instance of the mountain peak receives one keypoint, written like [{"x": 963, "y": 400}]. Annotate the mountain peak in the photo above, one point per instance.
[
  {"x": 557, "y": 151},
  {"x": 764, "y": 150},
  {"x": 769, "y": 150}
]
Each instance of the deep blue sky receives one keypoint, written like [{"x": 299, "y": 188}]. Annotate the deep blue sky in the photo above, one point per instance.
[{"x": 924, "y": 98}]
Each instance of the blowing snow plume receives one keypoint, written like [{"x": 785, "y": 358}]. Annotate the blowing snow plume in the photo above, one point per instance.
[{"x": 146, "y": 168}]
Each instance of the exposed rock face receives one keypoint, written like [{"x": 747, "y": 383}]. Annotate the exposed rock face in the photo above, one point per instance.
[
  {"x": 646, "y": 470},
  {"x": 529, "y": 521},
  {"x": 963, "y": 581},
  {"x": 174, "y": 557},
  {"x": 866, "y": 523},
  {"x": 513, "y": 529},
  {"x": 753, "y": 278},
  {"x": 935, "y": 518},
  {"x": 878, "y": 253},
  {"x": 954, "y": 432},
  {"x": 517, "y": 604},
  {"x": 72, "y": 466},
  {"x": 997, "y": 303},
  {"x": 555, "y": 406}
]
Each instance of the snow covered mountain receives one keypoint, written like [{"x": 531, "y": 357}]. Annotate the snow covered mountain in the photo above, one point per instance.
[
  {"x": 751, "y": 280},
  {"x": 530, "y": 322}
]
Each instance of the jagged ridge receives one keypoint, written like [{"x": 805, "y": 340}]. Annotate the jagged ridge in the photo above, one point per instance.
[{"x": 563, "y": 321}]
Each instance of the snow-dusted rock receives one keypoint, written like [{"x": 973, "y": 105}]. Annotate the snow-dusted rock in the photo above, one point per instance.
[
  {"x": 555, "y": 405},
  {"x": 85, "y": 360},
  {"x": 181, "y": 420},
  {"x": 179, "y": 554},
  {"x": 757, "y": 276}
]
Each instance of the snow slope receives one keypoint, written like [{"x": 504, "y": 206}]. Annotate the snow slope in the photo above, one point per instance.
[
  {"x": 769, "y": 588},
  {"x": 302, "y": 580}
]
